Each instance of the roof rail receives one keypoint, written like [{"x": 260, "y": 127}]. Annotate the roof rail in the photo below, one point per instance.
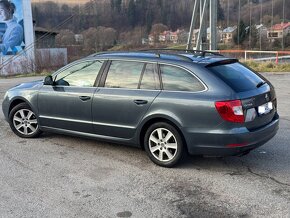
[
  {"x": 200, "y": 53},
  {"x": 104, "y": 52},
  {"x": 156, "y": 54},
  {"x": 163, "y": 52}
]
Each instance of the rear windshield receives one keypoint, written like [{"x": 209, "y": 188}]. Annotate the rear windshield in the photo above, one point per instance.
[{"x": 237, "y": 76}]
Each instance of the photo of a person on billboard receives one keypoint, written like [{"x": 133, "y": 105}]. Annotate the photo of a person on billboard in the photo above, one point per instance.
[{"x": 13, "y": 37}]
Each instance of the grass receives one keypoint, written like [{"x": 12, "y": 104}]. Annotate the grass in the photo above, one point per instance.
[
  {"x": 268, "y": 66},
  {"x": 25, "y": 75}
]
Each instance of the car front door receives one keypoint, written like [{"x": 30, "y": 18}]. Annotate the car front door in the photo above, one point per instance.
[
  {"x": 129, "y": 89},
  {"x": 67, "y": 104}
]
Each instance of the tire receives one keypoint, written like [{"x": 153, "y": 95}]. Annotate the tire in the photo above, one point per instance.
[
  {"x": 24, "y": 122},
  {"x": 163, "y": 144}
]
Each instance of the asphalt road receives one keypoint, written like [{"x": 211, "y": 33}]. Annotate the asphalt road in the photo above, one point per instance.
[{"x": 62, "y": 176}]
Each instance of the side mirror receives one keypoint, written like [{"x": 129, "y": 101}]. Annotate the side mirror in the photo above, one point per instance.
[{"x": 48, "y": 81}]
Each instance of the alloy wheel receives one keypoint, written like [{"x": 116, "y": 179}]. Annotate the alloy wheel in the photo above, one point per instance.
[
  {"x": 25, "y": 122},
  {"x": 163, "y": 144}
]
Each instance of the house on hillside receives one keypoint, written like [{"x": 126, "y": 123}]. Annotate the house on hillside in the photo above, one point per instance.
[
  {"x": 278, "y": 31},
  {"x": 194, "y": 36},
  {"x": 227, "y": 35},
  {"x": 261, "y": 29},
  {"x": 151, "y": 39},
  {"x": 218, "y": 34},
  {"x": 174, "y": 37},
  {"x": 168, "y": 37},
  {"x": 79, "y": 38},
  {"x": 164, "y": 36}
]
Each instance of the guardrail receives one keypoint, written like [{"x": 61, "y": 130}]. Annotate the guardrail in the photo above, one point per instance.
[{"x": 275, "y": 56}]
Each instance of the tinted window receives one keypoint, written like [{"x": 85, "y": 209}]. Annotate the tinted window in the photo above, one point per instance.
[
  {"x": 237, "y": 76},
  {"x": 124, "y": 74},
  {"x": 82, "y": 74},
  {"x": 149, "y": 78},
  {"x": 177, "y": 79}
]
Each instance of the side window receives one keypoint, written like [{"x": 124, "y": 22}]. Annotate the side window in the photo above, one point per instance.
[
  {"x": 177, "y": 79},
  {"x": 82, "y": 74},
  {"x": 124, "y": 74},
  {"x": 149, "y": 78}
]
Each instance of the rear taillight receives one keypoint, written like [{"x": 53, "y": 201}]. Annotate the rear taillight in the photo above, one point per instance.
[{"x": 231, "y": 110}]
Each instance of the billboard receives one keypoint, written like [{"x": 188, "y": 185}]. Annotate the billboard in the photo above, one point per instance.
[{"x": 12, "y": 40}]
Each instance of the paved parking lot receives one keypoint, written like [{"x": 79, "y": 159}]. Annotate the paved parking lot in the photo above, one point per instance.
[{"x": 62, "y": 176}]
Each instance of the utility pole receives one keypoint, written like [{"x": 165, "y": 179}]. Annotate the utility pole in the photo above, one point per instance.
[
  {"x": 283, "y": 40},
  {"x": 204, "y": 11},
  {"x": 213, "y": 25},
  {"x": 201, "y": 26},
  {"x": 192, "y": 24}
]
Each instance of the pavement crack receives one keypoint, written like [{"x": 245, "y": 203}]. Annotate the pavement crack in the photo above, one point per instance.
[
  {"x": 15, "y": 160},
  {"x": 267, "y": 176},
  {"x": 283, "y": 118}
]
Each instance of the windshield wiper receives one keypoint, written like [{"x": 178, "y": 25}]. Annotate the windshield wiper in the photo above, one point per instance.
[{"x": 260, "y": 84}]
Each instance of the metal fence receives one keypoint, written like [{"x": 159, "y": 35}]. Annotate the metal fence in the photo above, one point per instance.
[{"x": 273, "y": 56}]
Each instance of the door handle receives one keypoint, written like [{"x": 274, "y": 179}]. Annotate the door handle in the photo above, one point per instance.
[
  {"x": 85, "y": 98},
  {"x": 140, "y": 102}
]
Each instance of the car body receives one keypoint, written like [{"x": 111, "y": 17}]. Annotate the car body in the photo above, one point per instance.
[{"x": 167, "y": 102}]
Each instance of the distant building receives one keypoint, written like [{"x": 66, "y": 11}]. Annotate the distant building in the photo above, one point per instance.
[
  {"x": 151, "y": 39},
  {"x": 262, "y": 30},
  {"x": 194, "y": 36},
  {"x": 174, "y": 36},
  {"x": 164, "y": 37},
  {"x": 218, "y": 34},
  {"x": 278, "y": 31},
  {"x": 47, "y": 56},
  {"x": 44, "y": 38},
  {"x": 167, "y": 37},
  {"x": 145, "y": 41},
  {"x": 79, "y": 38},
  {"x": 228, "y": 35}
]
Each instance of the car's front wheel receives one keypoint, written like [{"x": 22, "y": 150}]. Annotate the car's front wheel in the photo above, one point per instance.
[
  {"x": 23, "y": 121},
  {"x": 163, "y": 144}
]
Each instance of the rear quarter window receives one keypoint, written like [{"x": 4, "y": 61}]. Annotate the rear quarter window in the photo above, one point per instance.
[
  {"x": 177, "y": 79},
  {"x": 237, "y": 76}
]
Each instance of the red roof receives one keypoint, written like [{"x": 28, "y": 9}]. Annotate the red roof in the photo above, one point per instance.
[{"x": 281, "y": 26}]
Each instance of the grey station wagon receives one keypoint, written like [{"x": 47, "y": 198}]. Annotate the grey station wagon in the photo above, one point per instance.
[{"x": 166, "y": 102}]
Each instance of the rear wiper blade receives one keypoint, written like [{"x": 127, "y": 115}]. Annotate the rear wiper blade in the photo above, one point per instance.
[{"x": 260, "y": 84}]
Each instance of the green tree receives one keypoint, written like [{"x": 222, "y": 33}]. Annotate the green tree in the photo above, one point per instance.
[
  {"x": 241, "y": 34},
  {"x": 149, "y": 20},
  {"x": 132, "y": 13},
  {"x": 253, "y": 37},
  {"x": 116, "y": 5},
  {"x": 287, "y": 41},
  {"x": 220, "y": 11}
]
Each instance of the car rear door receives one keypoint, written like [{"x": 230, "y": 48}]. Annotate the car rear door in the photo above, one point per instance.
[
  {"x": 128, "y": 89},
  {"x": 67, "y": 104}
]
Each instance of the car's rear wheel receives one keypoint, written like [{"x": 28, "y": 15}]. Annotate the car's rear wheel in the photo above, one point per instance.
[
  {"x": 23, "y": 121},
  {"x": 163, "y": 144}
]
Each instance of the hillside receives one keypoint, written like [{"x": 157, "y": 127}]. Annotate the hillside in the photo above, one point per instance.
[
  {"x": 260, "y": 11},
  {"x": 127, "y": 14}
]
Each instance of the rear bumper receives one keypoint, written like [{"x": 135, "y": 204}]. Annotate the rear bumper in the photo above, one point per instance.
[{"x": 223, "y": 144}]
